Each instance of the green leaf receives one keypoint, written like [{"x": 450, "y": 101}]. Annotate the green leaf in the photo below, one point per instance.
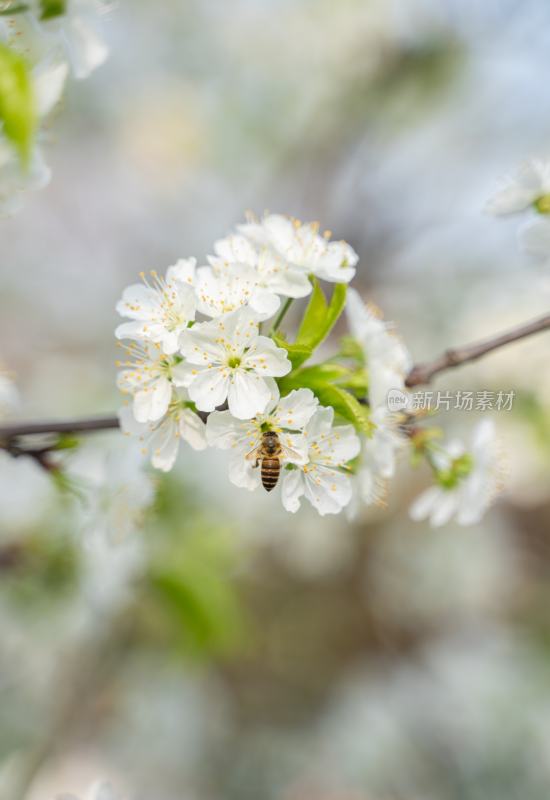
[
  {"x": 336, "y": 306},
  {"x": 347, "y": 406},
  {"x": 297, "y": 353},
  {"x": 320, "y": 318},
  {"x": 320, "y": 375},
  {"x": 17, "y": 106},
  {"x": 312, "y": 377},
  {"x": 52, "y": 8},
  {"x": 350, "y": 348},
  {"x": 314, "y": 318},
  {"x": 17, "y": 8}
]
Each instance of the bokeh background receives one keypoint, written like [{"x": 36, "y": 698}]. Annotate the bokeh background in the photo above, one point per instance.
[{"x": 222, "y": 649}]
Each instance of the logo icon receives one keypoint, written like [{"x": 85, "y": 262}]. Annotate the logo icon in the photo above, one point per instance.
[{"x": 397, "y": 400}]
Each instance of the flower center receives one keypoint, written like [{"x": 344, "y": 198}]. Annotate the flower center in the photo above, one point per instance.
[
  {"x": 234, "y": 362},
  {"x": 542, "y": 204},
  {"x": 460, "y": 468}
]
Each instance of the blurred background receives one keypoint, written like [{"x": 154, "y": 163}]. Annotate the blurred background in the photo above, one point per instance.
[{"x": 187, "y": 640}]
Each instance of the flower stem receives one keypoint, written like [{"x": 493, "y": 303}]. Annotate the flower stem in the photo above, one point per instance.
[{"x": 282, "y": 315}]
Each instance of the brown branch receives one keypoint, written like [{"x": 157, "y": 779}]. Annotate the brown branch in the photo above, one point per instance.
[
  {"x": 13, "y": 430},
  {"x": 419, "y": 374},
  {"x": 455, "y": 357}
]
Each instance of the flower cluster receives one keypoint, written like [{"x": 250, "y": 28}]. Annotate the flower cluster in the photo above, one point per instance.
[
  {"x": 40, "y": 42},
  {"x": 206, "y": 363}
]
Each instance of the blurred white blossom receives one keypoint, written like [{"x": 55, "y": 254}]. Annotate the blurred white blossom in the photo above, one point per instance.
[
  {"x": 468, "y": 480},
  {"x": 162, "y": 438},
  {"x": 16, "y": 178}
]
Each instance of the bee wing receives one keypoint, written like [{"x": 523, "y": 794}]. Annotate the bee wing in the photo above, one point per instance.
[
  {"x": 295, "y": 449},
  {"x": 253, "y": 454}
]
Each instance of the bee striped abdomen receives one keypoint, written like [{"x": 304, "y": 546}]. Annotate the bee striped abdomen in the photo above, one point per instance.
[{"x": 271, "y": 468}]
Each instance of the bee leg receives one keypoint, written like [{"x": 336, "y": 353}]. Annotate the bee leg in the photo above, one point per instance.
[{"x": 257, "y": 464}]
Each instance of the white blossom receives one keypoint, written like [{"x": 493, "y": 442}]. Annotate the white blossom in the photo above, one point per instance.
[
  {"x": 222, "y": 291},
  {"x": 302, "y": 247},
  {"x": 287, "y": 417},
  {"x": 15, "y": 178},
  {"x": 114, "y": 490},
  {"x": 162, "y": 438},
  {"x": 388, "y": 361},
  {"x": 161, "y": 310},
  {"x": 535, "y": 237},
  {"x": 147, "y": 376},
  {"x": 522, "y": 190},
  {"x": 468, "y": 496},
  {"x": 378, "y": 460},
  {"x": 323, "y": 480},
  {"x": 227, "y": 359},
  {"x": 9, "y": 396},
  {"x": 273, "y": 275},
  {"x": 76, "y": 33}
]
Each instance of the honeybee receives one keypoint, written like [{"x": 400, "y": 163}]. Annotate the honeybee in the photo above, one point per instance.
[{"x": 269, "y": 455}]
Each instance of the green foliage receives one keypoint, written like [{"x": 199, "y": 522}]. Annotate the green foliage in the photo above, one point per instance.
[
  {"x": 351, "y": 349},
  {"x": 14, "y": 8},
  {"x": 319, "y": 375},
  {"x": 195, "y": 592},
  {"x": 334, "y": 384},
  {"x": 320, "y": 316},
  {"x": 191, "y": 599},
  {"x": 17, "y": 104},
  {"x": 318, "y": 321},
  {"x": 346, "y": 406},
  {"x": 52, "y": 8}
]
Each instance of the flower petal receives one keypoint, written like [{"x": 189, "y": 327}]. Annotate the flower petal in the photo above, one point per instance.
[
  {"x": 292, "y": 490},
  {"x": 248, "y": 394},
  {"x": 267, "y": 359},
  {"x": 327, "y": 490},
  {"x": 209, "y": 389},
  {"x": 296, "y": 409},
  {"x": 192, "y": 429}
]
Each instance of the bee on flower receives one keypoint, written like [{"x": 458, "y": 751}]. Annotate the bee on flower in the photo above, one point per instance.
[
  {"x": 286, "y": 417},
  {"x": 323, "y": 479}
]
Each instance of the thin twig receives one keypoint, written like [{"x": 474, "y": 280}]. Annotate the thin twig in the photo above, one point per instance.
[
  {"x": 455, "y": 357},
  {"x": 282, "y": 314},
  {"x": 14, "y": 429}
]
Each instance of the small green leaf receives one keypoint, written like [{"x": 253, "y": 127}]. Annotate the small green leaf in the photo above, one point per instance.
[
  {"x": 314, "y": 317},
  {"x": 297, "y": 353},
  {"x": 17, "y": 106},
  {"x": 336, "y": 306},
  {"x": 320, "y": 318},
  {"x": 52, "y": 8},
  {"x": 320, "y": 375},
  {"x": 347, "y": 406}
]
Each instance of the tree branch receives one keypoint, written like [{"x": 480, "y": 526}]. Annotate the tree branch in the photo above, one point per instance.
[
  {"x": 455, "y": 357},
  {"x": 419, "y": 374}
]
